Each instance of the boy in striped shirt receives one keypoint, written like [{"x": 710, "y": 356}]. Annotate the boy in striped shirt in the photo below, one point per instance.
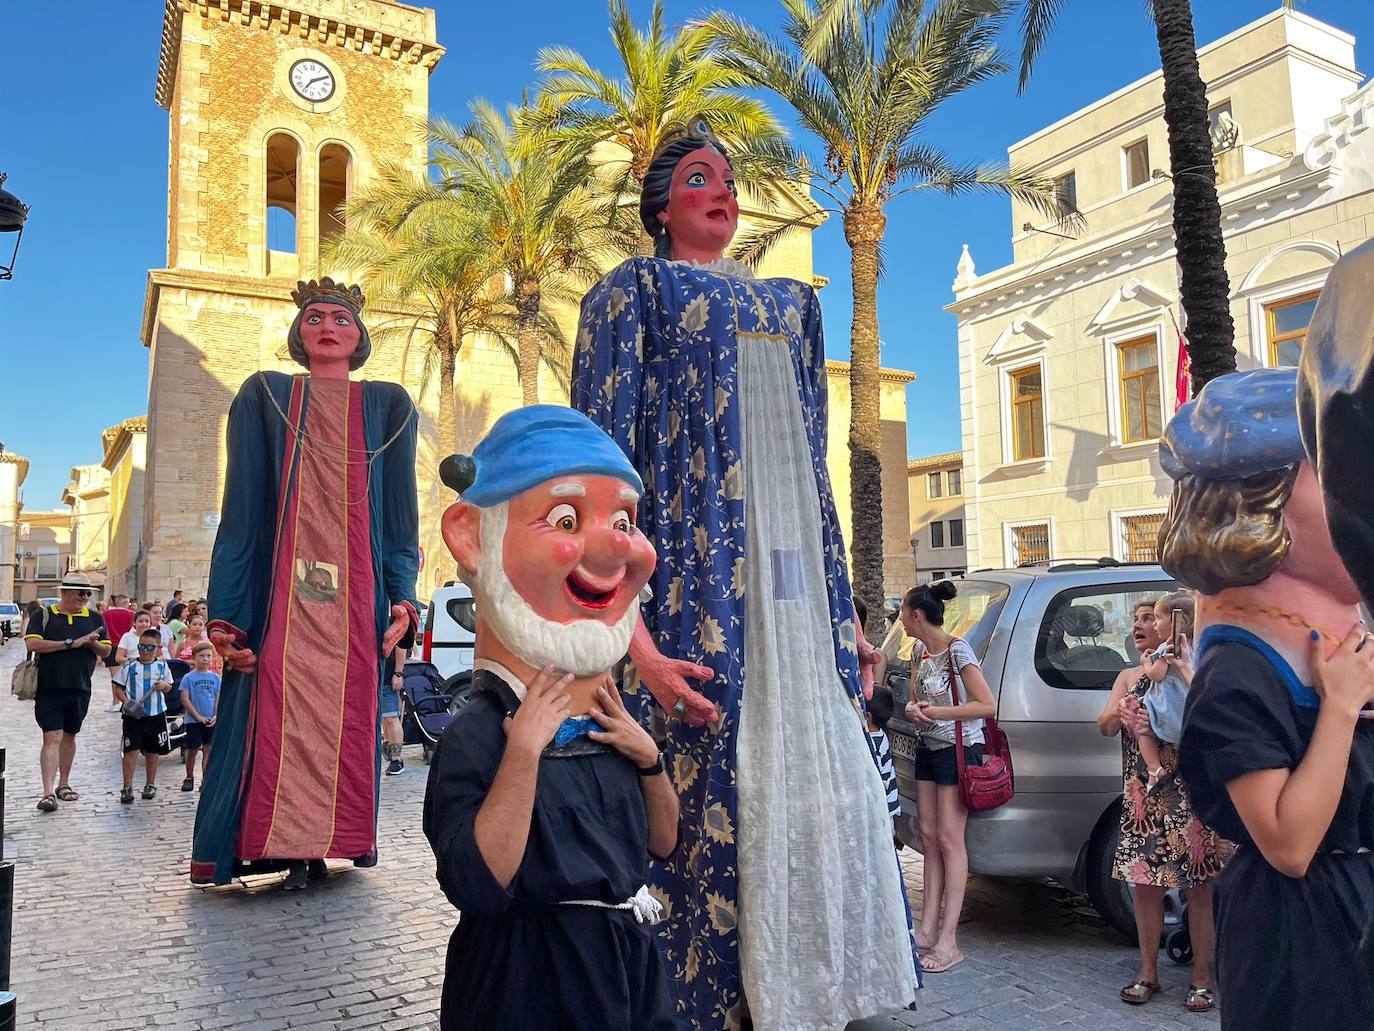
[
  {"x": 147, "y": 679},
  {"x": 879, "y": 712}
]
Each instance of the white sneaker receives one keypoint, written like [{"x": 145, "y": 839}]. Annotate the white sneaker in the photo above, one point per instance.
[{"x": 115, "y": 707}]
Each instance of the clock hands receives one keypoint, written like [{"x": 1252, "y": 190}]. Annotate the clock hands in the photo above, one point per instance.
[{"x": 322, "y": 78}]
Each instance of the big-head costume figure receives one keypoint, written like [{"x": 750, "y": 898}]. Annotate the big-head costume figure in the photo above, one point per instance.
[
  {"x": 312, "y": 582},
  {"x": 546, "y": 797},
  {"x": 713, "y": 383},
  {"x": 1275, "y": 753}
]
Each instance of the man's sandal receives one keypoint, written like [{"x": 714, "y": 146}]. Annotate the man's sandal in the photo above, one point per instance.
[
  {"x": 126, "y": 795},
  {"x": 1200, "y": 999},
  {"x": 1138, "y": 993},
  {"x": 47, "y": 804},
  {"x": 66, "y": 794}
]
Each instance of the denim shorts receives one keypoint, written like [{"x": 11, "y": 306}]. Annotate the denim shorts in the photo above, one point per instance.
[
  {"x": 942, "y": 764},
  {"x": 389, "y": 702}
]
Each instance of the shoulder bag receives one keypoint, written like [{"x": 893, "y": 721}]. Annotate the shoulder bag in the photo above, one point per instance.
[
  {"x": 991, "y": 783},
  {"x": 24, "y": 679}
]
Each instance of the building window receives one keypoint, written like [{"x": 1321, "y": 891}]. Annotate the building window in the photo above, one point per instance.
[
  {"x": 335, "y": 165},
  {"x": 1138, "y": 369},
  {"x": 956, "y": 533},
  {"x": 936, "y": 574},
  {"x": 1135, "y": 163},
  {"x": 283, "y": 160},
  {"x": 933, "y": 485},
  {"x": 956, "y": 482},
  {"x": 1142, "y": 536},
  {"x": 1066, "y": 191},
  {"x": 48, "y": 567},
  {"x": 1287, "y": 323},
  {"x": 1027, "y": 414},
  {"x": 937, "y": 535},
  {"x": 1030, "y": 543}
]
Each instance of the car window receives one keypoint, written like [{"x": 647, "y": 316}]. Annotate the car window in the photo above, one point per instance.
[
  {"x": 971, "y": 615},
  {"x": 9, "y": 610},
  {"x": 463, "y": 612},
  {"x": 1084, "y": 639}
]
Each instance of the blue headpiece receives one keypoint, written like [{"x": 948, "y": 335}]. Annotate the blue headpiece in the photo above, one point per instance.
[
  {"x": 1240, "y": 424},
  {"x": 531, "y": 445}
]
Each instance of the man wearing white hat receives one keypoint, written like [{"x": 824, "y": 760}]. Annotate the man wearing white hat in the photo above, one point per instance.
[{"x": 65, "y": 639}]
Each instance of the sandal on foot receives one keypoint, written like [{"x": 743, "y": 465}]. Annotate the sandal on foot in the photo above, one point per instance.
[
  {"x": 47, "y": 804},
  {"x": 149, "y": 791},
  {"x": 126, "y": 795},
  {"x": 189, "y": 784},
  {"x": 937, "y": 962},
  {"x": 66, "y": 794},
  {"x": 1138, "y": 993},
  {"x": 1200, "y": 999}
]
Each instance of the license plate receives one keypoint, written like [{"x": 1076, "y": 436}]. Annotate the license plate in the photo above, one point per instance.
[{"x": 903, "y": 746}]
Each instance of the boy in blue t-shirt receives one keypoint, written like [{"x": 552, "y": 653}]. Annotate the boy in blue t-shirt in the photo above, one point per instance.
[
  {"x": 146, "y": 680},
  {"x": 199, "y": 702}
]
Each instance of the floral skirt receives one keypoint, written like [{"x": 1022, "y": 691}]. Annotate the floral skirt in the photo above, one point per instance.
[{"x": 1162, "y": 842}]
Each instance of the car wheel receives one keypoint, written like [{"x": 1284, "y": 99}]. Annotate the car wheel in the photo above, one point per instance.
[
  {"x": 459, "y": 689},
  {"x": 1109, "y": 896}
]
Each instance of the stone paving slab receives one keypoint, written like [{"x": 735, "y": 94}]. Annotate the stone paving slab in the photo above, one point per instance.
[{"x": 109, "y": 935}]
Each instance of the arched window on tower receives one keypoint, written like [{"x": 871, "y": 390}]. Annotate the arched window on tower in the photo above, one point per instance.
[
  {"x": 283, "y": 166},
  {"x": 336, "y": 164}
]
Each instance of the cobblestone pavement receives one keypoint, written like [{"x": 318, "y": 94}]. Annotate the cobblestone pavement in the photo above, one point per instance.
[{"x": 109, "y": 934}]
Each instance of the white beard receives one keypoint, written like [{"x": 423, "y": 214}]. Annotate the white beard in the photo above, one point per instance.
[{"x": 583, "y": 648}]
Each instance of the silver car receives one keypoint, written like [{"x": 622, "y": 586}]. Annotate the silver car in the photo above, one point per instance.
[{"x": 1052, "y": 640}]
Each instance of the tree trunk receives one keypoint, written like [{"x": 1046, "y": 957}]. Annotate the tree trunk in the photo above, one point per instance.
[
  {"x": 527, "y": 334},
  {"x": 448, "y": 417},
  {"x": 863, "y": 230},
  {"x": 1205, "y": 290}
]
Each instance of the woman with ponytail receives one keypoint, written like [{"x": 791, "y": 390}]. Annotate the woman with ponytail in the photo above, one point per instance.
[{"x": 940, "y": 811}]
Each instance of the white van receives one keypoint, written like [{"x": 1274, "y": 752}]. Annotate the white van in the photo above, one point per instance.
[{"x": 450, "y": 630}]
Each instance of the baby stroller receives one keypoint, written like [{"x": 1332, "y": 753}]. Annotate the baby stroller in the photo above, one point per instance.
[{"x": 430, "y": 703}]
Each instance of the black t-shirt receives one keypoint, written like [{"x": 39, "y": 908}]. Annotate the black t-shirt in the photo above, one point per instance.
[
  {"x": 68, "y": 670},
  {"x": 1248, "y": 711}
]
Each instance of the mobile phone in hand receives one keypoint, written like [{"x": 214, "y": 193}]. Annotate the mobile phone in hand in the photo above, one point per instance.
[{"x": 1176, "y": 645}]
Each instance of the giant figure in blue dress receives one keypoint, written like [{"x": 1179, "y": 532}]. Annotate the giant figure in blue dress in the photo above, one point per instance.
[{"x": 784, "y": 899}]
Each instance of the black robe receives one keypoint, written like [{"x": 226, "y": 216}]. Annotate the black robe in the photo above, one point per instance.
[
  {"x": 517, "y": 960},
  {"x": 1292, "y": 952}
]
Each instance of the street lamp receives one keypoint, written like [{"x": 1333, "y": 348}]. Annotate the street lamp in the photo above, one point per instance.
[{"x": 13, "y": 211}]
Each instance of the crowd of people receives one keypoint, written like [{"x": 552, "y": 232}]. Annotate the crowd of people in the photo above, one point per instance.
[{"x": 161, "y": 663}]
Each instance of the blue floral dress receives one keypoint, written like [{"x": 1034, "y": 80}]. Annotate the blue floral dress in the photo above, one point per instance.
[{"x": 784, "y": 887}]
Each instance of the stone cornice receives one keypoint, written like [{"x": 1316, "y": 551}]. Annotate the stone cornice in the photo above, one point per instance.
[
  {"x": 305, "y": 20},
  {"x": 116, "y": 438},
  {"x": 1140, "y": 244},
  {"x": 916, "y": 465},
  {"x": 834, "y": 365}
]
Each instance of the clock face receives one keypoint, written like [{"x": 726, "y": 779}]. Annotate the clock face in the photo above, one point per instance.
[{"x": 312, "y": 80}]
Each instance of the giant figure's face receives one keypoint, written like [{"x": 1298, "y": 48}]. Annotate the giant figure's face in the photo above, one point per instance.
[
  {"x": 1312, "y": 557},
  {"x": 329, "y": 332},
  {"x": 703, "y": 210},
  {"x": 557, "y": 570}
]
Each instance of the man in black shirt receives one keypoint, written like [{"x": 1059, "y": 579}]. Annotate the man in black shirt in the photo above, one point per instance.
[{"x": 66, "y": 640}]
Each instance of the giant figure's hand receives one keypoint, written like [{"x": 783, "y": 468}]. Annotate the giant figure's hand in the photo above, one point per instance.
[
  {"x": 400, "y": 619},
  {"x": 666, "y": 680},
  {"x": 242, "y": 660}
]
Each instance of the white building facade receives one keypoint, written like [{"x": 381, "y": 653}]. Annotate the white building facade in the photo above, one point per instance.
[{"x": 1068, "y": 356}]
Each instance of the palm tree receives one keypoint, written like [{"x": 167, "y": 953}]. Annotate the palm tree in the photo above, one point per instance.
[
  {"x": 863, "y": 77},
  {"x": 421, "y": 254},
  {"x": 668, "y": 80},
  {"x": 545, "y": 226},
  {"x": 1204, "y": 287}
]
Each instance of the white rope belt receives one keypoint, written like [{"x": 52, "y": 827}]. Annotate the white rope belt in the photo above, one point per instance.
[{"x": 647, "y": 909}]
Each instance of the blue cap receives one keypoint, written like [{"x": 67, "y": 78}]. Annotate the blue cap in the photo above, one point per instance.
[
  {"x": 534, "y": 444},
  {"x": 1239, "y": 425}
]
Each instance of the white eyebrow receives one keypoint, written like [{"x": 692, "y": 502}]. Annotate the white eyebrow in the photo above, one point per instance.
[
  {"x": 568, "y": 490},
  {"x": 629, "y": 494}
]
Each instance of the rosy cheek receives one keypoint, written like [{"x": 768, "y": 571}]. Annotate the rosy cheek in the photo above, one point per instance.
[{"x": 565, "y": 553}]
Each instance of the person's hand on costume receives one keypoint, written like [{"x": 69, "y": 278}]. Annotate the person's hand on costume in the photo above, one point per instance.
[
  {"x": 243, "y": 660},
  {"x": 1345, "y": 679},
  {"x": 400, "y": 619},
  {"x": 620, "y": 730},
  {"x": 541, "y": 713},
  {"x": 666, "y": 680}
]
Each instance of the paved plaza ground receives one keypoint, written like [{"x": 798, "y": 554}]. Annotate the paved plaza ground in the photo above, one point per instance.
[{"x": 109, "y": 934}]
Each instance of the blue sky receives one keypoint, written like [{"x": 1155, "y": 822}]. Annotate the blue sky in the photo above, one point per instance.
[{"x": 86, "y": 146}]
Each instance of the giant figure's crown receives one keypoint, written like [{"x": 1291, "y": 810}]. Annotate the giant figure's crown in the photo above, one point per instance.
[{"x": 329, "y": 292}]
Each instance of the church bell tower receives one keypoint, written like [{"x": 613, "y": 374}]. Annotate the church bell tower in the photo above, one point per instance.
[{"x": 278, "y": 113}]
